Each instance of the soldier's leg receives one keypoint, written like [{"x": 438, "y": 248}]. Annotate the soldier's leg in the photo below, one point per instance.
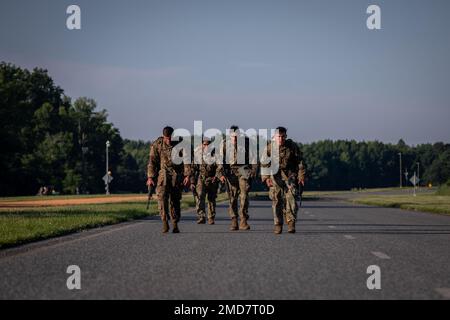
[
  {"x": 212, "y": 195},
  {"x": 244, "y": 188},
  {"x": 175, "y": 204},
  {"x": 163, "y": 203},
  {"x": 276, "y": 195},
  {"x": 233, "y": 187},
  {"x": 200, "y": 201},
  {"x": 291, "y": 208}
]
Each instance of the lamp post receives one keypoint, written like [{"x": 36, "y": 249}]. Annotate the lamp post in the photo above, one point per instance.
[
  {"x": 400, "y": 155},
  {"x": 108, "y": 144}
]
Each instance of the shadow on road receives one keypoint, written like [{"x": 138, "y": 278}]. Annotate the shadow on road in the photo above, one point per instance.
[{"x": 320, "y": 227}]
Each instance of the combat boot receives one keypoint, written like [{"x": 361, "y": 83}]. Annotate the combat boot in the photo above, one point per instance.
[
  {"x": 291, "y": 226},
  {"x": 165, "y": 227},
  {"x": 243, "y": 225},
  {"x": 175, "y": 228},
  {"x": 211, "y": 221},
  {"x": 278, "y": 228},
  {"x": 234, "y": 224},
  {"x": 201, "y": 220}
]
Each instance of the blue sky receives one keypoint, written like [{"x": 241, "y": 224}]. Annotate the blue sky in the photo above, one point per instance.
[{"x": 311, "y": 66}]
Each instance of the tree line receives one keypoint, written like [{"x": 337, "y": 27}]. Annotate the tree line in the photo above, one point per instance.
[{"x": 50, "y": 140}]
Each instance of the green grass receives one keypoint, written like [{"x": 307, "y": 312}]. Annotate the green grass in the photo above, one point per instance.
[
  {"x": 443, "y": 190},
  {"x": 19, "y": 226},
  {"x": 349, "y": 192},
  {"x": 22, "y": 226},
  {"x": 62, "y": 197},
  {"x": 433, "y": 203}
]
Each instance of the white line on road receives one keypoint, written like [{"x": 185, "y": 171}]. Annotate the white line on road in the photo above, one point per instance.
[
  {"x": 349, "y": 237},
  {"x": 380, "y": 255},
  {"x": 444, "y": 292},
  {"x": 332, "y": 227}
]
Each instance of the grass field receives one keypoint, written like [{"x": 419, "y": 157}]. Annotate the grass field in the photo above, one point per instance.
[
  {"x": 23, "y": 225},
  {"x": 63, "y": 197},
  {"x": 444, "y": 190},
  {"x": 434, "y": 203}
]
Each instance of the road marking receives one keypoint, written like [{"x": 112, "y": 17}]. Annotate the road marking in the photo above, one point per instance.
[
  {"x": 444, "y": 292},
  {"x": 349, "y": 237},
  {"x": 380, "y": 255},
  {"x": 332, "y": 227}
]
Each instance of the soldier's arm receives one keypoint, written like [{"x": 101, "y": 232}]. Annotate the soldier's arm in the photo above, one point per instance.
[
  {"x": 253, "y": 158},
  {"x": 254, "y": 170},
  {"x": 187, "y": 170},
  {"x": 265, "y": 156},
  {"x": 220, "y": 170},
  {"x": 192, "y": 172},
  {"x": 153, "y": 163},
  {"x": 301, "y": 165}
]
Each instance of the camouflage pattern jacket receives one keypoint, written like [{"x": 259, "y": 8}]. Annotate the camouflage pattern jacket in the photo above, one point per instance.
[
  {"x": 245, "y": 168},
  {"x": 160, "y": 161},
  {"x": 291, "y": 163}
]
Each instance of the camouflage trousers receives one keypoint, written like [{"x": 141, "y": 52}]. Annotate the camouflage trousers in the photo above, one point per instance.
[
  {"x": 239, "y": 188},
  {"x": 169, "y": 190},
  {"x": 284, "y": 201},
  {"x": 206, "y": 189}
]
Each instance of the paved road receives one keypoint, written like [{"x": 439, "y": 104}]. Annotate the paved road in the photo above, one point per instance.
[{"x": 326, "y": 259}]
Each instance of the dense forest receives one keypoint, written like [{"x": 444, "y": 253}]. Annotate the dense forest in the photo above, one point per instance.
[{"x": 49, "y": 140}]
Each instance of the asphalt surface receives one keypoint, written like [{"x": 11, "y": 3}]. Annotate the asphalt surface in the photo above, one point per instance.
[{"x": 327, "y": 258}]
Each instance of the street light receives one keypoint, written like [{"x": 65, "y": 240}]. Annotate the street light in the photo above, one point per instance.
[
  {"x": 108, "y": 144},
  {"x": 400, "y": 155}
]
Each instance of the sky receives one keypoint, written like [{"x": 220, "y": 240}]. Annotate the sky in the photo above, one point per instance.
[{"x": 311, "y": 66}]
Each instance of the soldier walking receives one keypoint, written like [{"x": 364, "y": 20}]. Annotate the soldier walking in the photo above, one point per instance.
[
  {"x": 168, "y": 178},
  {"x": 204, "y": 185},
  {"x": 237, "y": 177},
  {"x": 285, "y": 185}
]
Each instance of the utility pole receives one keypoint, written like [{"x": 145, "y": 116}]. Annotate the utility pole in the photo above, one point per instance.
[
  {"x": 400, "y": 155},
  {"x": 108, "y": 144}
]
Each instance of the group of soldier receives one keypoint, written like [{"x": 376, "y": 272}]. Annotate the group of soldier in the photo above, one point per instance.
[{"x": 285, "y": 184}]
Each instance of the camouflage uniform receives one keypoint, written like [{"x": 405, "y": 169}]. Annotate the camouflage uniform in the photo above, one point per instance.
[
  {"x": 206, "y": 187},
  {"x": 285, "y": 190},
  {"x": 169, "y": 184},
  {"x": 238, "y": 180}
]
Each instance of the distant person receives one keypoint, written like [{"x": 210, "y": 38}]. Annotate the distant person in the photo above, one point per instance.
[
  {"x": 205, "y": 183},
  {"x": 169, "y": 179},
  {"x": 286, "y": 185},
  {"x": 237, "y": 178}
]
